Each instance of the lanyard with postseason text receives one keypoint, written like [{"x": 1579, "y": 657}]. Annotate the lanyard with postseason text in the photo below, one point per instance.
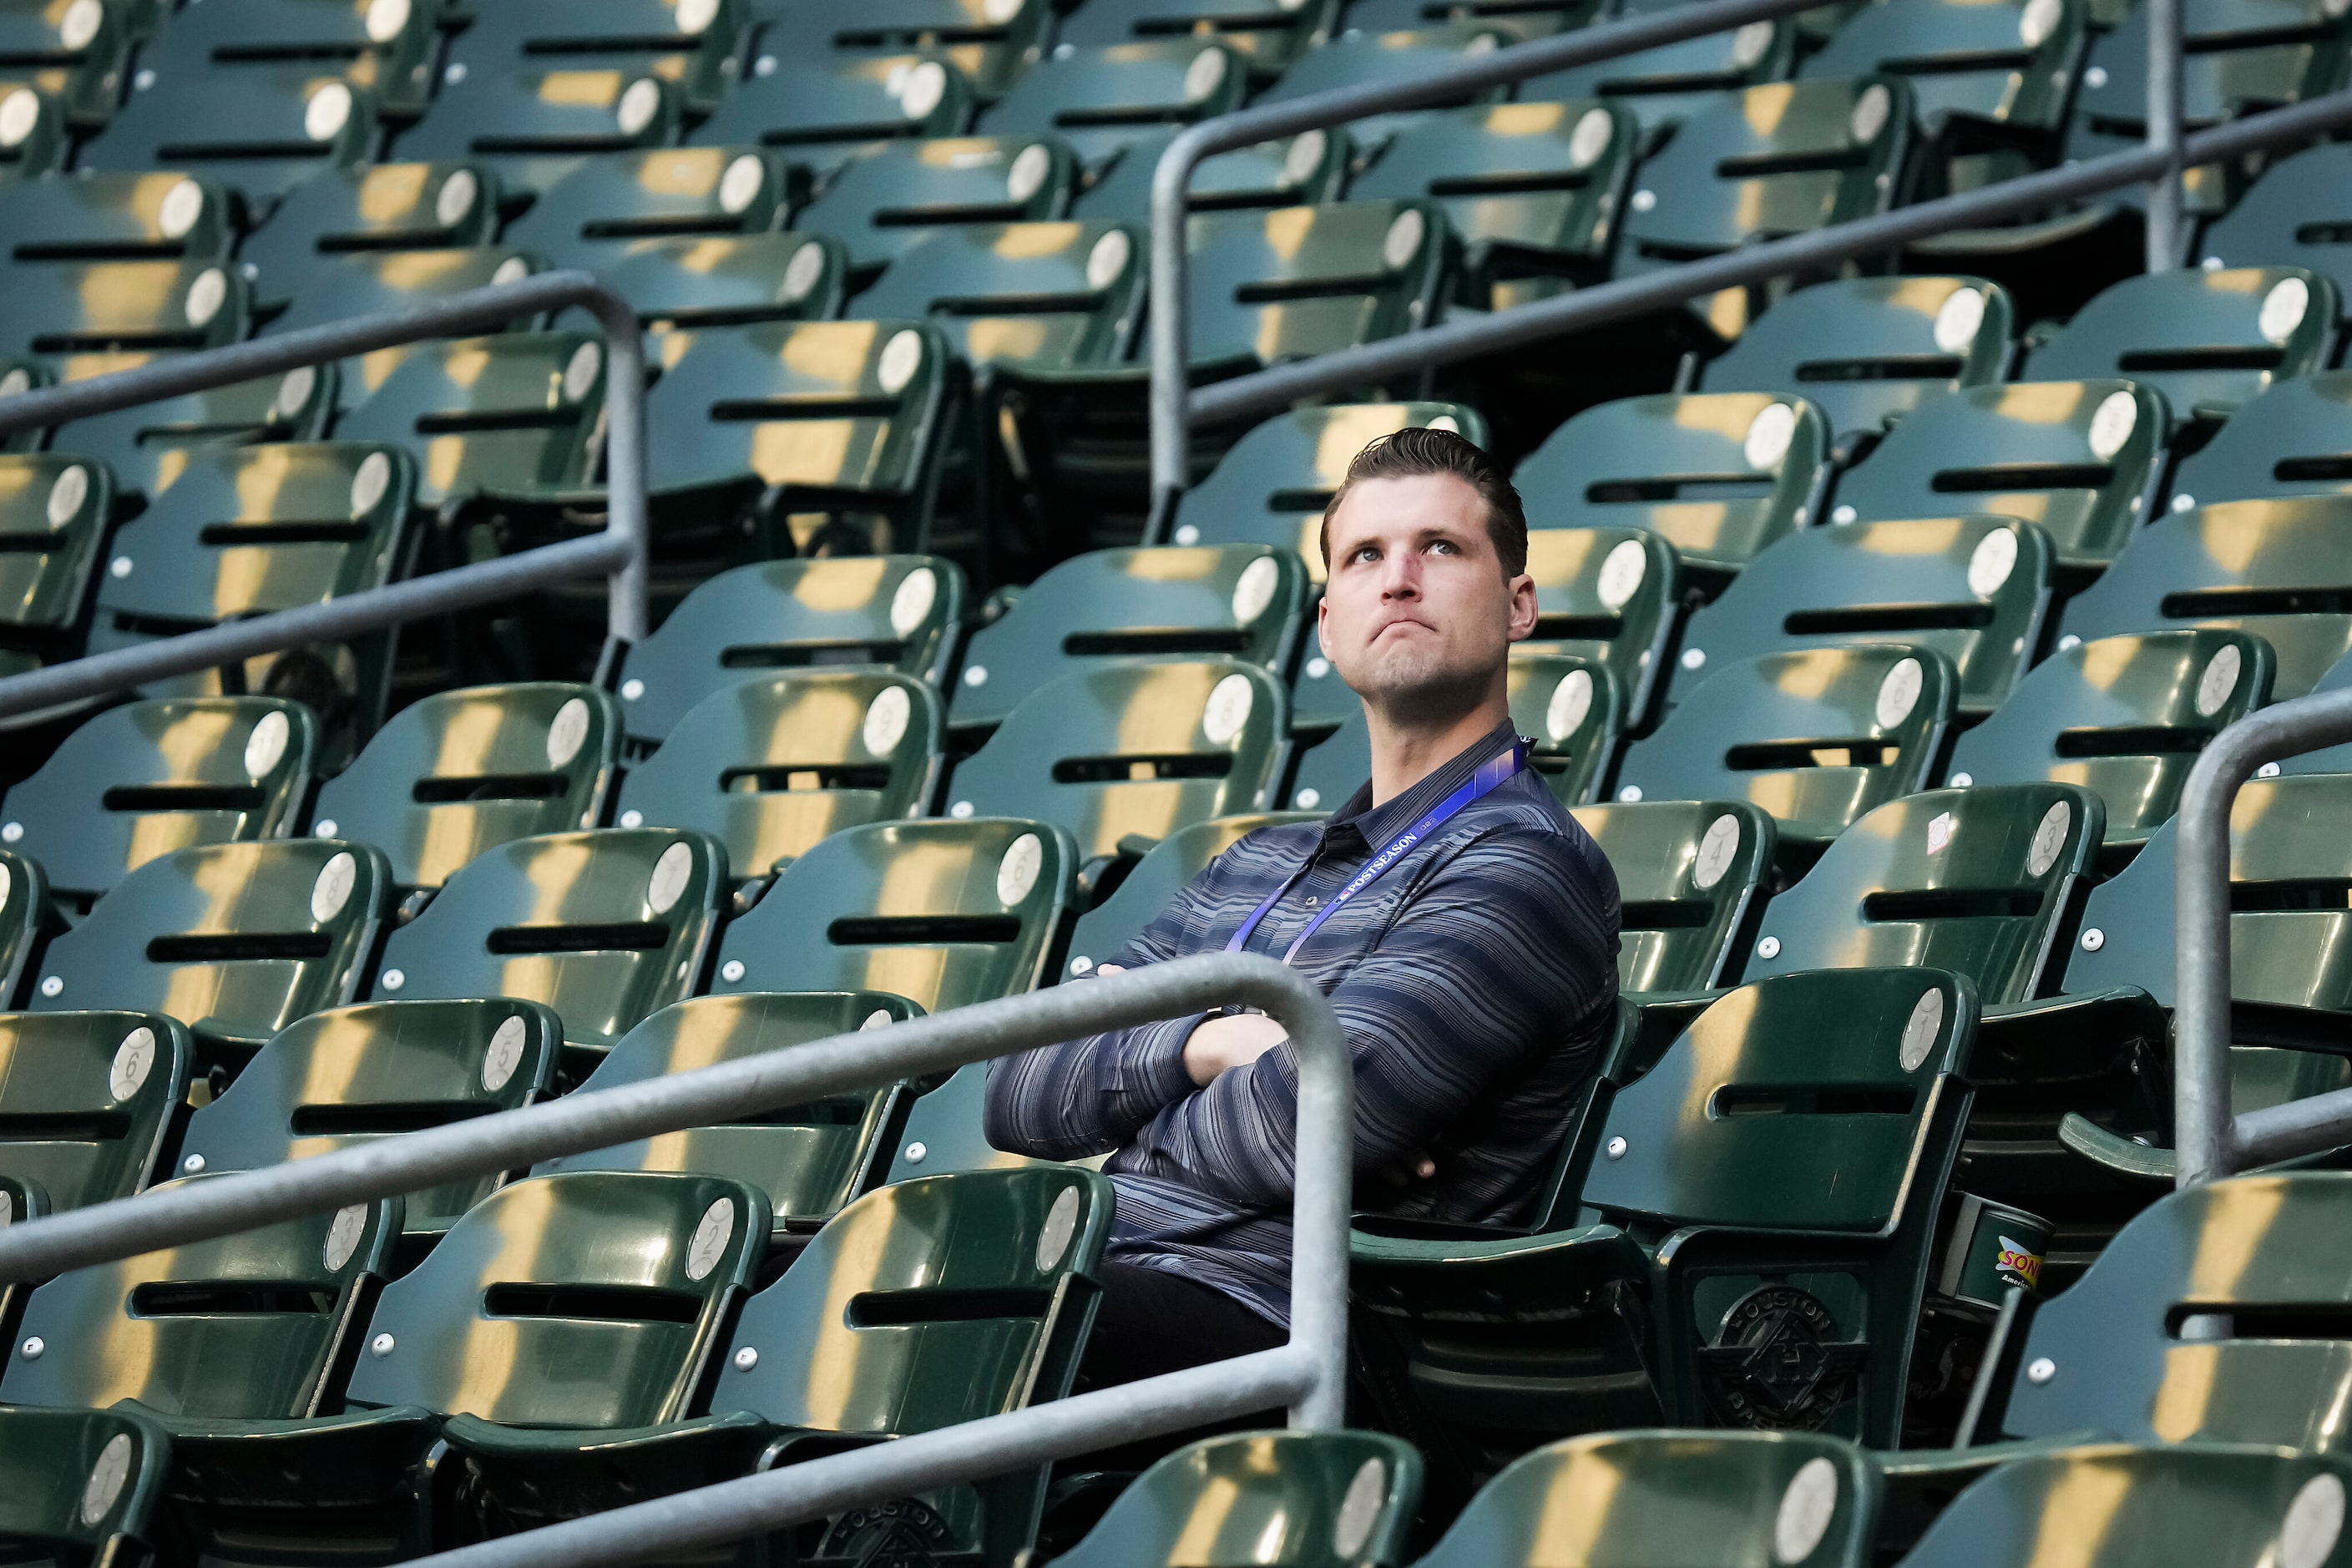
[{"x": 1504, "y": 765}]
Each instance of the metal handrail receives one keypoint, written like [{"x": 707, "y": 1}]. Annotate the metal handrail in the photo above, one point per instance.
[
  {"x": 618, "y": 551},
  {"x": 1309, "y": 1373}
]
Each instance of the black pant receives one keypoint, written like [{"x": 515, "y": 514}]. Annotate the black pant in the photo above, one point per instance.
[{"x": 1150, "y": 1322}]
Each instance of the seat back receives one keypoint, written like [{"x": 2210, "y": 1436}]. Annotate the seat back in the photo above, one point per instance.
[
  {"x": 2123, "y": 716},
  {"x": 592, "y": 1298},
  {"x": 1357, "y": 57},
  {"x": 77, "y": 56},
  {"x": 54, "y": 513},
  {"x": 1103, "y": 932},
  {"x": 595, "y": 215},
  {"x": 2293, "y": 217},
  {"x": 1283, "y": 1499},
  {"x": 65, "y": 308},
  {"x": 147, "y": 778},
  {"x": 1103, "y": 99},
  {"x": 275, "y": 128},
  {"x": 771, "y": 765},
  {"x": 1023, "y": 296},
  {"x": 1312, "y": 166},
  {"x": 817, "y": 109},
  {"x": 2207, "y": 339},
  {"x": 149, "y": 447},
  {"x": 697, "y": 50},
  {"x": 242, "y": 1327},
  {"x": 1692, "y": 876},
  {"x": 367, "y": 285},
  {"x": 388, "y": 52},
  {"x": 351, "y": 1076},
  {"x": 507, "y": 413},
  {"x": 604, "y": 927},
  {"x": 2011, "y": 64},
  {"x": 1266, "y": 35},
  {"x": 457, "y": 772},
  {"x": 1984, "y": 881},
  {"x": 881, "y": 200},
  {"x": 533, "y": 126},
  {"x": 1816, "y": 737},
  {"x": 1132, "y": 748},
  {"x": 104, "y": 214},
  {"x": 86, "y": 1098},
  {"x": 381, "y": 207},
  {"x": 236, "y": 940},
  {"x": 2297, "y": 442},
  {"x": 1665, "y": 86},
  {"x": 82, "y": 1483},
  {"x": 991, "y": 46},
  {"x": 1304, "y": 281}
]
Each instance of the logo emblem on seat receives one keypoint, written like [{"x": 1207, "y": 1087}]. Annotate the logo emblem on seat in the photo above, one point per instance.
[
  {"x": 1776, "y": 1364},
  {"x": 901, "y": 1533}
]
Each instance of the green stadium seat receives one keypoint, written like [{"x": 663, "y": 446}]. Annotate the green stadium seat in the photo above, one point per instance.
[
  {"x": 1279, "y": 1499},
  {"x": 147, "y": 778},
  {"x": 1719, "y": 475},
  {"x": 1987, "y": 882},
  {"x": 1665, "y": 86},
  {"x": 1817, "y": 737},
  {"x": 899, "y": 613},
  {"x": 68, "y": 307},
  {"x": 24, "y": 918},
  {"x": 260, "y": 138},
  {"x": 1104, "y": 99},
  {"x": 385, "y": 207},
  {"x": 1131, "y": 748},
  {"x": 603, "y": 927},
  {"x": 54, "y": 513},
  {"x": 725, "y": 280},
  {"x": 1838, "y": 1183},
  {"x": 2207, "y": 339},
  {"x": 991, "y": 44},
  {"x": 1013, "y": 297},
  {"x": 815, "y": 110},
  {"x": 1692, "y": 878},
  {"x": 809, "y": 1159},
  {"x": 1673, "y": 1497},
  {"x": 2294, "y": 439},
  {"x": 33, "y": 134},
  {"x": 149, "y": 446},
  {"x": 1267, "y": 35},
  {"x": 1571, "y": 706},
  {"x": 694, "y": 46},
  {"x": 100, "y": 216},
  {"x": 884, "y": 199},
  {"x": 1103, "y": 932},
  {"x": 86, "y": 1102},
  {"x": 510, "y": 413},
  {"x": 80, "y": 1485},
  {"x": 596, "y": 214},
  {"x": 2079, "y": 457},
  {"x": 1109, "y": 607},
  {"x": 2272, "y": 568},
  {"x": 367, "y": 285},
  {"x": 236, "y": 941},
  {"x": 1290, "y": 170},
  {"x": 2290, "y": 218},
  {"x": 532, "y": 127},
  {"x": 941, "y": 912},
  {"x": 76, "y": 53},
  {"x": 388, "y": 49},
  {"x": 1974, "y": 589},
  {"x": 770, "y": 765},
  {"x": 1532, "y": 190},
  {"x": 350, "y": 1076},
  {"x": 977, "y": 1294},
  {"x": 2123, "y": 717},
  {"x": 1518, "y": 19},
  {"x": 458, "y": 771},
  {"x": 1359, "y": 59},
  {"x": 1868, "y": 351}
]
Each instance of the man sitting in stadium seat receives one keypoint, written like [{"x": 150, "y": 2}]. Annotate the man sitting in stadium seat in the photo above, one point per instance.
[{"x": 1463, "y": 924}]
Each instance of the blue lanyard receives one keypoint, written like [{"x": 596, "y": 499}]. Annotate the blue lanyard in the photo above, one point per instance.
[{"x": 1504, "y": 766}]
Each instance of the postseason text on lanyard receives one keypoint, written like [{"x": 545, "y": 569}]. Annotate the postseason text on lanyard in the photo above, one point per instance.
[{"x": 1503, "y": 764}]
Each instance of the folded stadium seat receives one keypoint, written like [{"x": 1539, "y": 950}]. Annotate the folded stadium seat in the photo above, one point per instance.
[
  {"x": 1665, "y": 86},
  {"x": 1359, "y": 59},
  {"x": 1719, "y": 475},
  {"x": 148, "y": 445},
  {"x": 76, "y": 53},
  {"x": 72, "y": 308},
  {"x": 347, "y": 1076},
  {"x": 898, "y": 612},
  {"x": 24, "y": 920},
  {"x": 386, "y": 46},
  {"x": 515, "y": 412},
  {"x": 88, "y": 1100},
  {"x": 2207, "y": 339},
  {"x": 1815, "y": 736},
  {"x": 976, "y": 1294},
  {"x": 768, "y": 766},
  {"x": 2274, "y": 568},
  {"x": 1976, "y": 588},
  {"x": 236, "y": 941},
  {"x": 814, "y": 111},
  {"x": 456, "y": 773},
  {"x": 54, "y": 513},
  {"x": 1531, "y": 190},
  {"x": 1571, "y": 706},
  {"x": 1103, "y": 932},
  {"x": 382, "y": 206},
  {"x": 597, "y": 214},
  {"x": 531, "y": 127},
  {"x": 1990, "y": 83},
  {"x": 1868, "y": 351},
  {"x": 2290, "y": 218},
  {"x": 33, "y": 134},
  {"x": 692, "y": 45},
  {"x": 2294, "y": 439},
  {"x": 261, "y": 137},
  {"x": 1669, "y": 1497},
  {"x": 943, "y": 913},
  {"x": 1105, "y": 99},
  {"x": 1290, "y": 170},
  {"x": 888, "y": 196},
  {"x": 1783, "y": 159},
  {"x": 1266, "y": 34},
  {"x": 1692, "y": 878},
  {"x": 1264, "y": 288},
  {"x": 245, "y": 530},
  {"x": 592, "y": 1301},
  {"x": 82, "y": 1485},
  {"x": 1131, "y": 748},
  {"x": 1839, "y": 1183},
  {"x": 146, "y": 778},
  {"x": 352, "y": 286},
  {"x": 2081, "y": 459},
  {"x": 604, "y": 927},
  {"x": 809, "y": 1159},
  {"x": 1110, "y": 607},
  {"x": 1987, "y": 882},
  {"x": 992, "y": 42},
  {"x": 103, "y": 216},
  {"x": 2123, "y": 717},
  {"x": 729, "y": 280}
]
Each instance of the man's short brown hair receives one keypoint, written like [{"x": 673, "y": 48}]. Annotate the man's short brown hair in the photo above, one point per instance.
[{"x": 1418, "y": 450}]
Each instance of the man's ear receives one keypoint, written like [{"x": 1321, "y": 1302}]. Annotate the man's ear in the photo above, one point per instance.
[
  {"x": 1523, "y": 607},
  {"x": 1323, "y": 624}
]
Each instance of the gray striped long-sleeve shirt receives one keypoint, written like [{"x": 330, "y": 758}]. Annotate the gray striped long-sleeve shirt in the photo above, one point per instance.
[{"x": 1475, "y": 981}]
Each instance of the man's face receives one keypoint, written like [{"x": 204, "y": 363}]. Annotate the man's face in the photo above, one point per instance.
[{"x": 1417, "y": 609}]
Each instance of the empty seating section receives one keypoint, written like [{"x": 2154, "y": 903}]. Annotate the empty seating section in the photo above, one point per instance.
[{"x": 1883, "y": 613}]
